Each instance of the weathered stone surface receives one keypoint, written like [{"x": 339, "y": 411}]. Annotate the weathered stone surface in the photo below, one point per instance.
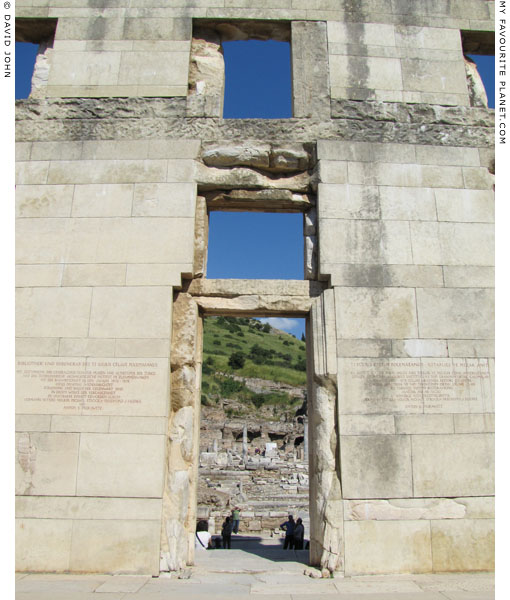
[
  {"x": 413, "y": 509},
  {"x": 201, "y": 236},
  {"x": 43, "y": 544},
  {"x": 463, "y": 545},
  {"x": 477, "y": 93},
  {"x": 376, "y": 466},
  {"x": 206, "y": 77},
  {"x": 239, "y": 287},
  {"x": 250, "y": 155},
  {"x": 109, "y": 118},
  {"x": 120, "y": 465},
  {"x": 210, "y": 178},
  {"x": 387, "y": 547},
  {"x": 311, "y": 257},
  {"x": 326, "y": 538},
  {"x": 310, "y": 72},
  {"x": 412, "y": 113},
  {"x": 46, "y": 463},
  {"x": 259, "y": 199},
  {"x": 386, "y": 313},
  {"x": 453, "y": 465},
  {"x": 263, "y": 305},
  {"x": 41, "y": 69},
  {"x": 445, "y": 313},
  {"x": 130, "y": 543}
]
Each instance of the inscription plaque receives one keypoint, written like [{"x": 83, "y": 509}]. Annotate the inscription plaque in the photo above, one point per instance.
[
  {"x": 414, "y": 385},
  {"x": 73, "y": 386}
]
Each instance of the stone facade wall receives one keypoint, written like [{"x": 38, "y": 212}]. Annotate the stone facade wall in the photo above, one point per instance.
[{"x": 112, "y": 191}]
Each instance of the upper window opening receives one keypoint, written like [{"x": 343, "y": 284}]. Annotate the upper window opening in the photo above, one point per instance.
[
  {"x": 257, "y": 80},
  {"x": 252, "y": 245},
  {"x": 26, "y": 53},
  {"x": 479, "y": 49},
  {"x": 34, "y": 44},
  {"x": 240, "y": 69},
  {"x": 485, "y": 65}
]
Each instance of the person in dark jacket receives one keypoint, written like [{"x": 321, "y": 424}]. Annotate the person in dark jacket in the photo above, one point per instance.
[
  {"x": 288, "y": 527},
  {"x": 226, "y": 533},
  {"x": 299, "y": 534}
]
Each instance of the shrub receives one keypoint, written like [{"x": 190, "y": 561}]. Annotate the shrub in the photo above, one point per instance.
[
  {"x": 259, "y": 355},
  {"x": 229, "y": 386},
  {"x": 300, "y": 364},
  {"x": 236, "y": 360}
]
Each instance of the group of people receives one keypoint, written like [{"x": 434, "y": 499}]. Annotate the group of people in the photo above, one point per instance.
[
  {"x": 294, "y": 534},
  {"x": 203, "y": 539}
]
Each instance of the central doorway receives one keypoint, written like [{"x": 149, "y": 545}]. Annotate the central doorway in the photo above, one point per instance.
[
  {"x": 253, "y": 430},
  {"x": 265, "y": 299}
]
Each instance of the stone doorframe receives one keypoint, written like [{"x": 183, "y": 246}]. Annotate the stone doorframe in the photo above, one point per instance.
[{"x": 200, "y": 298}]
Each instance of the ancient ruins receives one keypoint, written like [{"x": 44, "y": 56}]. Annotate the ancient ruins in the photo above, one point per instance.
[{"x": 122, "y": 153}]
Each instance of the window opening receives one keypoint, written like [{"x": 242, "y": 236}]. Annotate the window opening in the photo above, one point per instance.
[
  {"x": 253, "y": 245},
  {"x": 257, "y": 80},
  {"x": 26, "y": 53},
  {"x": 253, "y": 432},
  {"x": 479, "y": 56},
  {"x": 485, "y": 66},
  {"x": 253, "y": 56},
  {"x": 34, "y": 45}
]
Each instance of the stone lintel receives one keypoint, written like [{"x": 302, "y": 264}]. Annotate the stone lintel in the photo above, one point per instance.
[
  {"x": 256, "y": 305},
  {"x": 232, "y": 288},
  {"x": 259, "y": 200}
]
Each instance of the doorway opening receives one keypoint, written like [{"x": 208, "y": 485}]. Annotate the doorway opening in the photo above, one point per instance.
[
  {"x": 255, "y": 301},
  {"x": 254, "y": 432}
]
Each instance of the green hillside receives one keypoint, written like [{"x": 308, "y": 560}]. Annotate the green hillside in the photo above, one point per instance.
[{"x": 247, "y": 348}]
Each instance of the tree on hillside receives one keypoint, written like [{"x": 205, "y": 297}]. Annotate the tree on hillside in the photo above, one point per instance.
[{"x": 236, "y": 360}]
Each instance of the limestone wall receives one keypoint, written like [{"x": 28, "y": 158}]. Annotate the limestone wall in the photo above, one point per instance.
[
  {"x": 389, "y": 157},
  {"x": 406, "y": 234},
  {"x": 103, "y": 235}
]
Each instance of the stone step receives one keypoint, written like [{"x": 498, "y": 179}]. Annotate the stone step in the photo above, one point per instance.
[{"x": 278, "y": 503}]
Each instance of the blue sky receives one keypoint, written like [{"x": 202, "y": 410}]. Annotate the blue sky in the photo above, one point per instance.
[
  {"x": 257, "y": 85},
  {"x": 257, "y": 80}
]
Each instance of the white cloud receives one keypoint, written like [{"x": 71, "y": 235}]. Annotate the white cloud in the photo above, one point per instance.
[{"x": 280, "y": 323}]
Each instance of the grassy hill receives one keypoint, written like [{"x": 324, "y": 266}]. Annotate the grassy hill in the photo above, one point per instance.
[{"x": 247, "y": 348}]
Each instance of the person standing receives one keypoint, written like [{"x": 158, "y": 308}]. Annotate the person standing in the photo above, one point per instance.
[
  {"x": 226, "y": 533},
  {"x": 236, "y": 516},
  {"x": 299, "y": 534},
  {"x": 288, "y": 527},
  {"x": 202, "y": 536}
]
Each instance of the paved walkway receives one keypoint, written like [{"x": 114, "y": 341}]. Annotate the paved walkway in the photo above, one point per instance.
[{"x": 254, "y": 568}]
